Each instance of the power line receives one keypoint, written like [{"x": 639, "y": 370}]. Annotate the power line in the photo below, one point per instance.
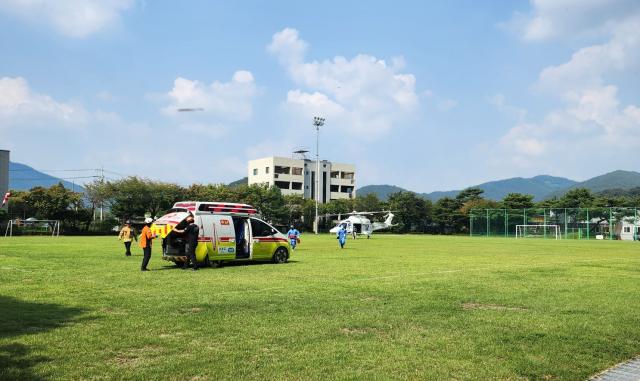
[
  {"x": 53, "y": 170},
  {"x": 54, "y": 179}
]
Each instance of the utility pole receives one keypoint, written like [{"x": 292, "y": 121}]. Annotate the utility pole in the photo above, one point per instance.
[
  {"x": 101, "y": 202},
  {"x": 317, "y": 122}
]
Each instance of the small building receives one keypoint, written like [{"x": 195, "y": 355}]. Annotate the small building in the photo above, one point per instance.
[
  {"x": 627, "y": 228},
  {"x": 298, "y": 176}
]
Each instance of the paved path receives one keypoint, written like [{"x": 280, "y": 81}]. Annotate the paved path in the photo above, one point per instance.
[{"x": 627, "y": 371}]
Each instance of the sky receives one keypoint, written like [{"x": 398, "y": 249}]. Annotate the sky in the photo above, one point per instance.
[{"x": 423, "y": 95}]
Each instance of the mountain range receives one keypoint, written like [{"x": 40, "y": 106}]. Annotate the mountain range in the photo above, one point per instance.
[
  {"x": 24, "y": 177},
  {"x": 541, "y": 187}
]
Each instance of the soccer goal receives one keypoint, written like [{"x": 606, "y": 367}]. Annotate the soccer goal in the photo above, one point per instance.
[
  {"x": 538, "y": 231},
  {"x": 31, "y": 226}
]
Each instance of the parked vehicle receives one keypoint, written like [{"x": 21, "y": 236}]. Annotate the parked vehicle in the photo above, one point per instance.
[{"x": 228, "y": 232}]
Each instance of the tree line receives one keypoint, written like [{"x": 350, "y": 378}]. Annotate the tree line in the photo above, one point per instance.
[{"x": 106, "y": 204}]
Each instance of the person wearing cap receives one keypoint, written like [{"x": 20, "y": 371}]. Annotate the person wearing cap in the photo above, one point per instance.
[
  {"x": 145, "y": 242},
  {"x": 126, "y": 235},
  {"x": 191, "y": 232}
]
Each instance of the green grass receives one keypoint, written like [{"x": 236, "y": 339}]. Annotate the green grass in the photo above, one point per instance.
[{"x": 393, "y": 307}]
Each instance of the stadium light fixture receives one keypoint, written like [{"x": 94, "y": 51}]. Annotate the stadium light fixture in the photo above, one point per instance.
[{"x": 317, "y": 122}]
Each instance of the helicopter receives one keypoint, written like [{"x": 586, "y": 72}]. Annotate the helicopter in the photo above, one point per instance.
[{"x": 359, "y": 223}]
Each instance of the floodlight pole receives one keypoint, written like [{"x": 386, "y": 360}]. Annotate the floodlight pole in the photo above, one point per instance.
[{"x": 317, "y": 122}]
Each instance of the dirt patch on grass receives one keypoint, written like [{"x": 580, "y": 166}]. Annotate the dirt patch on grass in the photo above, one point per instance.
[
  {"x": 136, "y": 356},
  {"x": 491, "y": 307},
  {"x": 351, "y": 331},
  {"x": 190, "y": 310}
]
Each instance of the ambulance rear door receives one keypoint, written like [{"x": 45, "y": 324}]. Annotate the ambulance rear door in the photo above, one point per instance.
[{"x": 223, "y": 237}]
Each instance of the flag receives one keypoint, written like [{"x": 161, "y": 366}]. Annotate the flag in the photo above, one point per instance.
[{"x": 6, "y": 198}]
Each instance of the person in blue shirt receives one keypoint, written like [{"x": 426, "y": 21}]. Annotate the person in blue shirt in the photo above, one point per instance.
[
  {"x": 294, "y": 237},
  {"x": 342, "y": 236}
]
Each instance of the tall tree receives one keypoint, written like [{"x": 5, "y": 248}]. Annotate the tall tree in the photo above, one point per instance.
[
  {"x": 446, "y": 215},
  {"x": 469, "y": 194},
  {"x": 577, "y": 198},
  {"x": 413, "y": 213},
  {"x": 518, "y": 201}
]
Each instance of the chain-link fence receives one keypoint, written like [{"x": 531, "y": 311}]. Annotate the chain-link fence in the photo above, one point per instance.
[{"x": 571, "y": 223}]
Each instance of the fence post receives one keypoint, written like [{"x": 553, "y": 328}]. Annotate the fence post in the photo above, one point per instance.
[
  {"x": 610, "y": 225},
  {"x": 506, "y": 223},
  {"x": 487, "y": 222},
  {"x": 588, "y": 232}
]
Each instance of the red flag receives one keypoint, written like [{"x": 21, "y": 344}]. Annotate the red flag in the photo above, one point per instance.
[{"x": 6, "y": 198}]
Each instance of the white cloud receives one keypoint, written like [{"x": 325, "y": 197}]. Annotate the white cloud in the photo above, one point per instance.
[
  {"x": 72, "y": 18},
  {"x": 590, "y": 119},
  {"x": 363, "y": 95},
  {"x": 525, "y": 140},
  {"x": 591, "y": 65},
  {"x": 288, "y": 46},
  {"x": 231, "y": 100},
  {"x": 20, "y": 106},
  {"x": 570, "y": 18}
]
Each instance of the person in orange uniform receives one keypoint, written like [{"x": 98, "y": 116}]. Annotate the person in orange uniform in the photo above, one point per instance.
[{"x": 145, "y": 242}]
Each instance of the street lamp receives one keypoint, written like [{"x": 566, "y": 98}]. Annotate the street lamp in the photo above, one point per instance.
[{"x": 317, "y": 122}]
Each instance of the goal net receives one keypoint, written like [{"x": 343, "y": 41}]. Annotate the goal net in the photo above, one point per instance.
[{"x": 538, "y": 231}]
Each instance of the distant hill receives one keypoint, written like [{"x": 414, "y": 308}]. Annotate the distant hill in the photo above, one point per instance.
[
  {"x": 237, "y": 183},
  {"x": 538, "y": 186},
  {"x": 382, "y": 191},
  {"x": 619, "y": 180},
  {"x": 24, "y": 177}
]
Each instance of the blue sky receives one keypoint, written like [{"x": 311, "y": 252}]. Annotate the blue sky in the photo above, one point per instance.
[{"x": 424, "y": 95}]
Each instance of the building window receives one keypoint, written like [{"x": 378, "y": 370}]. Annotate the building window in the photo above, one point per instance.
[
  {"x": 282, "y": 184},
  {"x": 255, "y": 171},
  {"x": 346, "y": 189},
  {"x": 627, "y": 229},
  {"x": 282, "y": 170},
  {"x": 296, "y": 185},
  {"x": 266, "y": 170},
  {"x": 335, "y": 188},
  {"x": 347, "y": 175},
  {"x": 297, "y": 171},
  {"x": 335, "y": 174}
]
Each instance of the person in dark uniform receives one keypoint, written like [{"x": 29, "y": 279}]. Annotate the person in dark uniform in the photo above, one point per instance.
[{"x": 191, "y": 232}]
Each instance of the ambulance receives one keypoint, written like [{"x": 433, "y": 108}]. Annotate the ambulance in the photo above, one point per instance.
[{"x": 228, "y": 232}]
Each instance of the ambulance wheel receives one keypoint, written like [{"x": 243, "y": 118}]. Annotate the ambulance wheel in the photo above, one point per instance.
[
  {"x": 207, "y": 262},
  {"x": 280, "y": 256}
]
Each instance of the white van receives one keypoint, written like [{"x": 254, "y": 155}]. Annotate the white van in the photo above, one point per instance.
[{"x": 228, "y": 232}]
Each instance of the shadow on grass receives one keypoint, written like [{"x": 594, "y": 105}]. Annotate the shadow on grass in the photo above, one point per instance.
[
  {"x": 19, "y": 318},
  {"x": 228, "y": 264}
]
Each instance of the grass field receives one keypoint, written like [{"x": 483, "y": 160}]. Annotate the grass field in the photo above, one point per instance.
[{"x": 393, "y": 307}]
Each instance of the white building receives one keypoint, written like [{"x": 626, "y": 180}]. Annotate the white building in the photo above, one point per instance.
[{"x": 298, "y": 176}]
